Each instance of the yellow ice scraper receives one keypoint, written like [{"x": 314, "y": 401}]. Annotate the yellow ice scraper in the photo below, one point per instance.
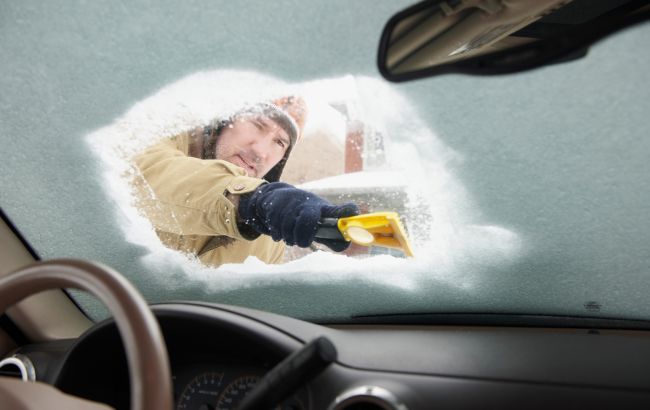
[{"x": 375, "y": 229}]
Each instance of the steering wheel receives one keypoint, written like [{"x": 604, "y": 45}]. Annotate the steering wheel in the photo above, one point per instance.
[{"x": 143, "y": 342}]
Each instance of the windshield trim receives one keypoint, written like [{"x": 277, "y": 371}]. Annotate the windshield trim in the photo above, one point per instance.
[{"x": 501, "y": 319}]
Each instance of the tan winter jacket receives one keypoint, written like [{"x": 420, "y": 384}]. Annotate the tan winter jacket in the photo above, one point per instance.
[{"x": 187, "y": 201}]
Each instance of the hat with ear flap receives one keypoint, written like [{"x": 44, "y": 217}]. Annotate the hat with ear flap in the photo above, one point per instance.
[
  {"x": 296, "y": 108},
  {"x": 291, "y": 115}
]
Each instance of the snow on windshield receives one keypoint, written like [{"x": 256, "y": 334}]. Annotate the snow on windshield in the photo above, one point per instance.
[{"x": 411, "y": 162}]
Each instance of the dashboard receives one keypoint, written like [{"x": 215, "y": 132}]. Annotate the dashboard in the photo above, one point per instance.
[{"x": 219, "y": 353}]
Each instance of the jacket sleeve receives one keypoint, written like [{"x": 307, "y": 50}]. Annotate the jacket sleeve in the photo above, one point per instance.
[{"x": 188, "y": 196}]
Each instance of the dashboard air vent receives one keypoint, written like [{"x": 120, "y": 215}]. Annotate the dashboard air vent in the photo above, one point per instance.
[
  {"x": 18, "y": 366},
  {"x": 367, "y": 398}
]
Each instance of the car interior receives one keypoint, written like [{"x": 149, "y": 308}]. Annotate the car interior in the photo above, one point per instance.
[{"x": 209, "y": 355}]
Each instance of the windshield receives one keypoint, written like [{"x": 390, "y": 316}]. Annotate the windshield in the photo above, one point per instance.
[{"x": 524, "y": 194}]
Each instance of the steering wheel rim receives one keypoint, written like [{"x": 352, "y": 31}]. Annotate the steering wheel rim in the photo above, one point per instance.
[{"x": 147, "y": 358}]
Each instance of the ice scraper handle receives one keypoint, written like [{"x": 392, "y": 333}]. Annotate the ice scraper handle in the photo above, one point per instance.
[
  {"x": 328, "y": 233},
  {"x": 339, "y": 230},
  {"x": 328, "y": 229}
]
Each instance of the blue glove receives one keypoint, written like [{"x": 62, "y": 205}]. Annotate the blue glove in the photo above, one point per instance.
[{"x": 291, "y": 214}]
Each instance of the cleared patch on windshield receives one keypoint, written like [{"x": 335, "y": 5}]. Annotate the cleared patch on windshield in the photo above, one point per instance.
[{"x": 362, "y": 142}]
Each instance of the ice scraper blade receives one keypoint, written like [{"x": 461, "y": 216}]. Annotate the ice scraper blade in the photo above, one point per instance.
[{"x": 375, "y": 229}]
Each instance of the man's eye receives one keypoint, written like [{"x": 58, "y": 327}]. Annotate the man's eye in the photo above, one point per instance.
[{"x": 280, "y": 143}]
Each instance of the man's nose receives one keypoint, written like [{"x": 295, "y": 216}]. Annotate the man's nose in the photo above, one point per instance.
[{"x": 259, "y": 150}]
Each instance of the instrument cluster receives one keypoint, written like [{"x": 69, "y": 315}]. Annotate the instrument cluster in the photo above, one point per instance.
[{"x": 222, "y": 387}]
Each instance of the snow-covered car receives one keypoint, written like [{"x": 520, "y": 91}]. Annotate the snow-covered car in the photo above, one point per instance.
[{"x": 523, "y": 187}]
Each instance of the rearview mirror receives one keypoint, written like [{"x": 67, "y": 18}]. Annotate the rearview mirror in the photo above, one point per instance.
[{"x": 496, "y": 36}]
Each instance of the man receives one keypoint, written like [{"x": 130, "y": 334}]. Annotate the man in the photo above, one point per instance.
[{"x": 214, "y": 191}]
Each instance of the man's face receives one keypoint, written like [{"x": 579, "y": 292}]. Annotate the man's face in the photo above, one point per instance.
[{"x": 256, "y": 144}]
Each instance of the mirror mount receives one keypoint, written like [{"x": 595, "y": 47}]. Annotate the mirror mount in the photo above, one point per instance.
[{"x": 491, "y": 37}]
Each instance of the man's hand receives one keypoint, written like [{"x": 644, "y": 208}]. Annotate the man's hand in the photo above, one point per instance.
[{"x": 291, "y": 214}]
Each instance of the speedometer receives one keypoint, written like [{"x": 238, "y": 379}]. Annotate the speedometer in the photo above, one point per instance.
[
  {"x": 235, "y": 392},
  {"x": 201, "y": 392}
]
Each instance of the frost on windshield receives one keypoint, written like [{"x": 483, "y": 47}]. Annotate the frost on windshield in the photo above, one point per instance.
[{"x": 362, "y": 141}]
